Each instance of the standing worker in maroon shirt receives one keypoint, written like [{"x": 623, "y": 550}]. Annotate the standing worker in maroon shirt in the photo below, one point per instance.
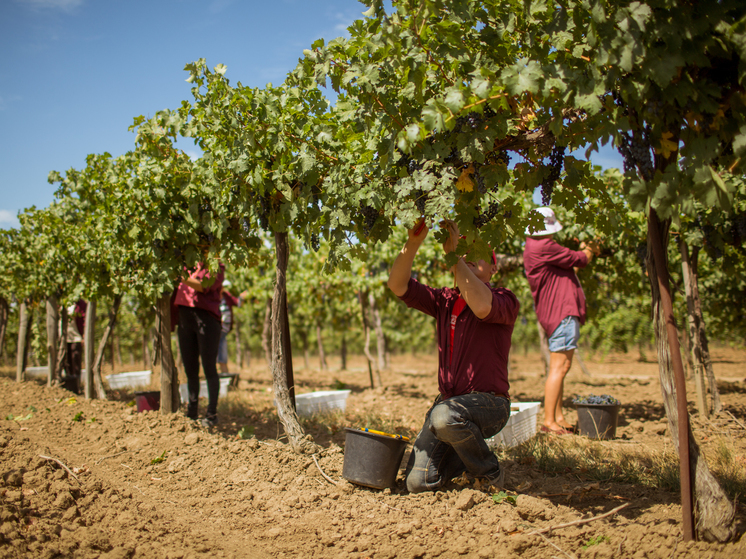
[
  {"x": 198, "y": 304},
  {"x": 474, "y": 327},
  {"x": 560, "y": 308}
]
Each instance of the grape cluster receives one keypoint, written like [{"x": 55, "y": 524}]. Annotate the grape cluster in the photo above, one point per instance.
[
  {"x": 204, "y": 208},
  {"x": 479, "y": 179},
  {"x": 265, "y": 206},
  {"x": 420, "y": 199},
  {"x": 315, "y": 194},
  {"x": 593, "y": 400},
  {"x": 483, "y": 218},
  {"x": 503, "y": 157},
  {"x": 315, "y": 242},
  {"x": 453, "y": 157},
  {"x": 370, "y": 215},
  {"x": 413, "y": 166},
  {"x": 635, "y": 149},
  {"x": 556, "y": 161},
  {"x": 471, "y": 120},
  {"x": 206, "y": 238}
]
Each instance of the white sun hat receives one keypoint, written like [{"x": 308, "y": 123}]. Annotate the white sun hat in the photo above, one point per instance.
[{"x": 551, "y": 225}]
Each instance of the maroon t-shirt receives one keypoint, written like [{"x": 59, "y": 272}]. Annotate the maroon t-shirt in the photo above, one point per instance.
[
  {"x": 480, "y": 347},
  {"x": 555, "y": 287},
  {"x": 209, "y": 299}
]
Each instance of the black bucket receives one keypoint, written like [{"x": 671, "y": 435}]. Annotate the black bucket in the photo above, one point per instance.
[
  {"x": 597, "y": 421},
  {"x": 150, "y": 401},
  {"x": 371, "y": 459}
]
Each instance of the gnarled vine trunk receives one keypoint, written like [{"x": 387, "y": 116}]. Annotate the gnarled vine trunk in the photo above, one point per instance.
[
  {"x": 89, "y": 347},
  {"x": 712, "y": 514},
  {"x": 62, "y": 342},
  {"x": 699, "y": 350},
  {"x": 98, "y": 381},
  {"x": 267, "y": 333},
  {"x": 380, "y": 338},
  {"x": 53, "y": 319},
  {"x": 169, "y": 373},
  {"x": 281, "y": 363},
  {"x": 4, "y": 315},
  {"x": 24, "y": 336},
  {"x": 366, "y": 332},
  {"x": 322, "y": 352}
]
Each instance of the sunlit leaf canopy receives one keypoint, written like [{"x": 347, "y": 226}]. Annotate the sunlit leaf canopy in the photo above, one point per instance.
[
  {"x": 543, "y": 74},
  {"x": 444, "y": 109}
]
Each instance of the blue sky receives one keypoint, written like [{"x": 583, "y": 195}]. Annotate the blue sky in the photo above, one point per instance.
[{"x": 74, "y": 73}]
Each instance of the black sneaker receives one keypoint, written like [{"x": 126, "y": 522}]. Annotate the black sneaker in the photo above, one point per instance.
[
  {"x": 210, "y": 421},
  {"x": 192, "y": 412}
]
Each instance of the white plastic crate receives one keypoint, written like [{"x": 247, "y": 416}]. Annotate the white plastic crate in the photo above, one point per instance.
[
  {"x": 224, "y": 384},
  {"x": 521, "y": 425},
  {"x": 37, "y": 372},
  {"x": 323, "y": 401},
  {"x": 134, "y": 379}
]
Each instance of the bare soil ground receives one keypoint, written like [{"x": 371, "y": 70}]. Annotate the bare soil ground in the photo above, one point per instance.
[{"x": 89, "y": 479}]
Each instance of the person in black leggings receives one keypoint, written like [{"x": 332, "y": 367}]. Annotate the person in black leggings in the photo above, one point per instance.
[{"x": 198, "y": 303}]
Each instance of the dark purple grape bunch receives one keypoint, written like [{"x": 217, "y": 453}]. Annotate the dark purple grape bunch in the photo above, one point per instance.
[
  {"x": 469, "y": 122},
  {"x": 503, "y": 157},
  {"x": 314, "y": 242},
  {"x": 265, "y": 207},
  {"x": 420, "y": 199},
  {"x": 556, "y": 162},
  {"x": 370, "y": 216},
  {"x": 483, "y": 218},
  {"x": 635, "y": 149}
]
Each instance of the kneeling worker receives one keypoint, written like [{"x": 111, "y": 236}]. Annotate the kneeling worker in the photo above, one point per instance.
[{"x": 474, "y": 327}]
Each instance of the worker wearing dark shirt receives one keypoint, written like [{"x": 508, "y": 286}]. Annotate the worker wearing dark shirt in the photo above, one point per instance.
[{"x": 474, "y": 324}]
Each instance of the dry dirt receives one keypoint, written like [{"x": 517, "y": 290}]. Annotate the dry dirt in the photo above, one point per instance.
[{"x": 137, "y": 485}]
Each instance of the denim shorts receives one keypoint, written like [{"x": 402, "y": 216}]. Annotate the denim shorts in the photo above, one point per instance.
[{"x": 565, "y": 337}]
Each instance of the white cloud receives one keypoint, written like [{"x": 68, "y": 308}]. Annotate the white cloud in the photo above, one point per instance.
[
  {"x": 65, "y": 5},
  {"x": 8, "y": 219}
]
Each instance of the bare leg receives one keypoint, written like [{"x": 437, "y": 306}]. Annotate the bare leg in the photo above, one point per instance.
[
  {"x": 223, "y": 367},
  {"x": 559, "y": 365}
]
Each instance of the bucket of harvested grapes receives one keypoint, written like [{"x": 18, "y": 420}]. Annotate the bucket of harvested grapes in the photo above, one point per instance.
[{"x": 597, "y": 416}]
